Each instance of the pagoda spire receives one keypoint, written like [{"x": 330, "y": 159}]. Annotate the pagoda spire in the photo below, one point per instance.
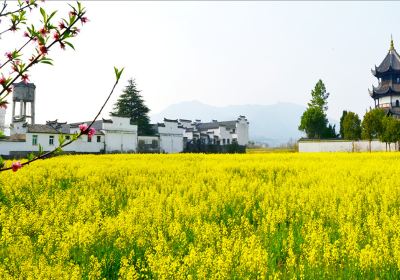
[{"x": 391, "y": 43}]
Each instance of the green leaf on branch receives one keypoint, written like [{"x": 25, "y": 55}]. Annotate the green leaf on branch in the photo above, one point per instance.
[
  {"x": 30, "y": 156},
  {"x": 44, "y": 15},
  {"x": 69, "y": 44},
  {"x": 118, "y": 73},
  {"x": 46, "y": 60},
  {"x": 58, "y": 151},
  {"x": 61, "y": 139},
  {"x": 51, "y": 15},
  {"x": 75, "y": 136},
  {"x": 40, "y": 152}
]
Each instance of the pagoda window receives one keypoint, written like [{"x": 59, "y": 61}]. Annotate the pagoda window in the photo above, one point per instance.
[
  {"x": 397, "y": 103},
  {"x": 398, "y": 80}
]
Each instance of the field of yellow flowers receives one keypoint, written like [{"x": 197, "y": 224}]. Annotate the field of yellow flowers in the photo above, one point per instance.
[{"x": 193, "y": 216}]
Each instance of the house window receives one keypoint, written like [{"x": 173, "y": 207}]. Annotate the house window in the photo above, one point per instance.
[
  {"x": 98, "y": 138},
  {"x": 223, "y": 141},
  {"x": 227, "y": 141},
  {"x": 51, "y": 140},
  {"x": 89, "y": 139},
  {"x": 398, "y": 80},
  {"x": 34, "y": 140},
  {"x": 154, "y": 143},
  {"x": 233, "y": 130}
]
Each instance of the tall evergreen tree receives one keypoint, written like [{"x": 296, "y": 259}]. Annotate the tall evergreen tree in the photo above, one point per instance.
[
  {"x": 314, "y": 121},
  {"x": 319, "y": 96},
  {"x": 130, "y": 104},
  {"x": 341, "y": 123}
]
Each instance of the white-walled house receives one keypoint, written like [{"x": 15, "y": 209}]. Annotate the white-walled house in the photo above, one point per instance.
[
  {"x": 215, "y": 132},
  {"x": 171, "y": 136},
  {"x": 117, "y": 135},
  {"x": 112, "y": 135}
]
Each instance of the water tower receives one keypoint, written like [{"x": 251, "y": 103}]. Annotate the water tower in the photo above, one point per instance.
[{"x": 24, "y": 96}]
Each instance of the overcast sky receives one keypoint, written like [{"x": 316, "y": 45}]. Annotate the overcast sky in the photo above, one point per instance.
[{"x": 220, "y": 53}]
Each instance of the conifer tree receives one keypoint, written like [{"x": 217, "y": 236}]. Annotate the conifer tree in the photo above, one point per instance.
[
  {"x": 131, "y": 105},
  {"x": 314, "y": 121}
]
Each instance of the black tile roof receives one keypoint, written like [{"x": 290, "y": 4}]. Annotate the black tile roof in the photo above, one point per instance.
[{"x": 390, "y": 62}]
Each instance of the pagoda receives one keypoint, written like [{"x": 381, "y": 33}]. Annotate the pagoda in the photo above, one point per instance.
[{"x": 387, "y": 94}]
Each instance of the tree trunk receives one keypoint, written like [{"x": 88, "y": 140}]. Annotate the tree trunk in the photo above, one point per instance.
[
  {"x": 386, "y": 146},
  {"x": 369, "y": 145}
]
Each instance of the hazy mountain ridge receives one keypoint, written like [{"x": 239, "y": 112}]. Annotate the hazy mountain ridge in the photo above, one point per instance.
[{"x": 272, "y": 124}]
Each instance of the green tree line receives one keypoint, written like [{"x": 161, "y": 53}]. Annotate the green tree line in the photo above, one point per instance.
[{"x": 376, "y": 123}]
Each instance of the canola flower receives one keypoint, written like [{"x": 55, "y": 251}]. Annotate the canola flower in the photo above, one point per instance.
[{"x": 193, "y": 216}]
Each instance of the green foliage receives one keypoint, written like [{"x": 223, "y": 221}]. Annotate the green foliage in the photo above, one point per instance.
[
  {"x": 118, "y": 73},
  {"x": 313, "y": 122},
  {"x": 341, "y": 123},
  {"x": 319, "y": 96},
  {"x": 371, "y": 126},
  {"x": 61, "y": 139},
  {"x": 30, "y": 156},
  {"x": 351, "y": 126},
  {"x": 40, "y": 151},
  {"x": 391, "y": 130},
  {"x": 131, "y": 105},
  {"x": 329, "y": 131}
]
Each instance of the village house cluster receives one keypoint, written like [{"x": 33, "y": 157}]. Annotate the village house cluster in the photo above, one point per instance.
[{"x": 114, "y": 135}]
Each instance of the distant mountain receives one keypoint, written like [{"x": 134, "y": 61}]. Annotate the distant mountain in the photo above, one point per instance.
[{"x": 272, "y": 124}]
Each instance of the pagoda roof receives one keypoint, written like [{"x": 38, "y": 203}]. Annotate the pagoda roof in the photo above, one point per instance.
[
  {"x": 390, "y": 63},
  {"x": 385, "y": 90}
]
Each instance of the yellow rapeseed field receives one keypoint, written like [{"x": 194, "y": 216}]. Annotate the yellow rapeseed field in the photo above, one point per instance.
[{"x": 188, "y": 216}]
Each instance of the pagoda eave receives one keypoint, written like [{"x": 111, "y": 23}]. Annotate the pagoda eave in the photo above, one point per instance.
[
  {"x": 375, "y": 94},
  {"x": 379, "y": 73}
]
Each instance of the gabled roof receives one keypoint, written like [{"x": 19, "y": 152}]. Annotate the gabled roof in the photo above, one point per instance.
[
  {"x": 96, "y": 125},
  {"x": 41, "y": 128},
  {"x": 229, "y": 124},
  {"x": 214, "y": 125},
  {"x": 205, "y": 126},
  {"x": 15, "y": 138},
  {"x": 169, "y": 120}
]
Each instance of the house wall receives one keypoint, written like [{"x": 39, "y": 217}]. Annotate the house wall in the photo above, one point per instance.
[
  {"x": 120, "y": 141},
  {"x": 242, "y": 131},
  {"x": 80, "y": 146},
  {"x": 223, "y": 133},
  {"x": 171, "y": 138},
  {"x": 120, "y": 135},
  {"x": 171, "y": 144},
  {"x": 341, "y": 146},
  {"x": 2, "y": 119},
  {"x": 18, "y": 128}
]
